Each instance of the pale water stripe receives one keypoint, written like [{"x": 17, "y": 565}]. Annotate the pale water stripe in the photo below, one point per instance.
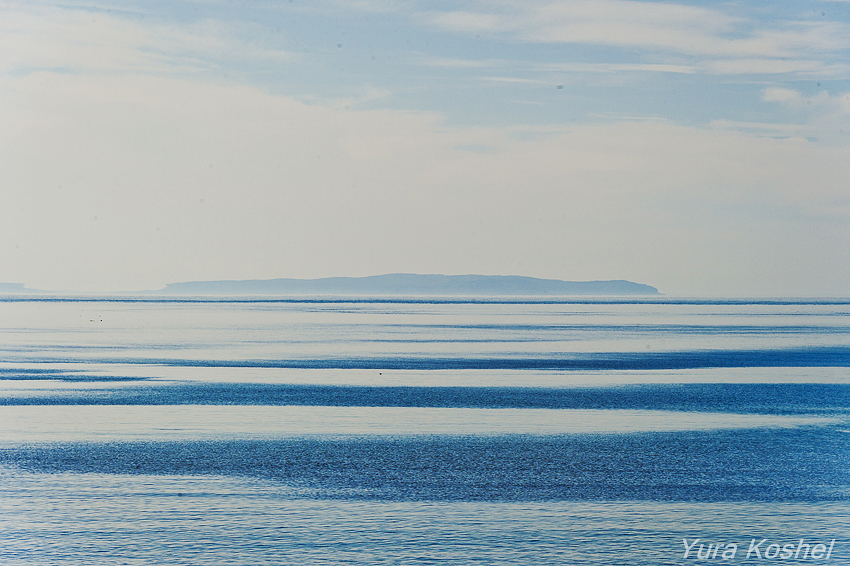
[{"x": 25, "y": 424}]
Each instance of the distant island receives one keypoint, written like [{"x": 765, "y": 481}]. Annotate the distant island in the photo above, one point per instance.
[
  {"x": 410, "y": 284},
  {"x": 18, "y": 289}
]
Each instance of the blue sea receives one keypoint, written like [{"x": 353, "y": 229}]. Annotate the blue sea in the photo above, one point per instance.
[{"x": 422, "y": 430}]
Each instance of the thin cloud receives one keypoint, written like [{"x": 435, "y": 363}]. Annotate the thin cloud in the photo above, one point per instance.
[
  {"x": 776, "y": 94},
  {"x": 764, "y": 128},
  {"x": 83, "y": 41},
  {"x": 826, "y": 115},
  {"x": 764, "y": 66},
  {"x": 838, "y": 105},
  {"x": 657, "y": 26},
  {"x": 448, "y": 62},
  {"x": 513, "y": 80},
  {"x": 617, "y": 68},
  {"x": 527, "y": 67}
]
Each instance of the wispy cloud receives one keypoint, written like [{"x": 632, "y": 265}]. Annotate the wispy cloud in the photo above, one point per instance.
[
  {"x": 827, "y": 116},
  {"x": 675, "y": 27},
  {"x": 727, "y": 44},
  {"x": 512, "y": 80},
  {"x": 448, "y": 62},
  {"x": 616, "y": 68},
  {"x": 536, "y": 67},
  {"x": 609, "y": 22},
  {"x": 765, "y": 66},
  {"x": 77, "y": 40},
  {"x": 765, "y": 128},
  {"x": 838, "y": 105}
]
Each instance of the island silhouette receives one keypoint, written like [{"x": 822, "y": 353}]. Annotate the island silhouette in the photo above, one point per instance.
[{"x": 411, "y": 284}]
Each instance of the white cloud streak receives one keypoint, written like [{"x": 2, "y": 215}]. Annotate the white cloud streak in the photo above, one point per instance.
[
  {"x": 774, "y": 67},
  {"x": 726, "y": 45},
  {"x": 98, "y": 42},
  {"x": 675, "y": 27},
  {"x": 617, "y": 68},
  {"x": 448, "y": 62}
]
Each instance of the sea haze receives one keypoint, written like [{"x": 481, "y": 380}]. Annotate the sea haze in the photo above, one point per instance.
[{"x": 375, "y": 429}]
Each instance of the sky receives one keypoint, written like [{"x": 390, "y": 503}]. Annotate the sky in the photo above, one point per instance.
[{"x": 701, "y": 147}]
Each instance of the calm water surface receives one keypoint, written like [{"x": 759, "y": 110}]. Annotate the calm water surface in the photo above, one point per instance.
[{"x": 399, "y": 431}]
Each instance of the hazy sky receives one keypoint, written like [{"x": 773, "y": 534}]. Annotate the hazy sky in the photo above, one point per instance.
[{"x": 701, "y": 147}]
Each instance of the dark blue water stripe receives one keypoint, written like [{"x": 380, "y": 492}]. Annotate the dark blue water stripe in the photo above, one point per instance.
[
  {"x": 761, "y": 398},
  {"x": 679, "y": 329},
  {"x": 835, "y": 356},
  {"x": 742, "y": 465}
]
